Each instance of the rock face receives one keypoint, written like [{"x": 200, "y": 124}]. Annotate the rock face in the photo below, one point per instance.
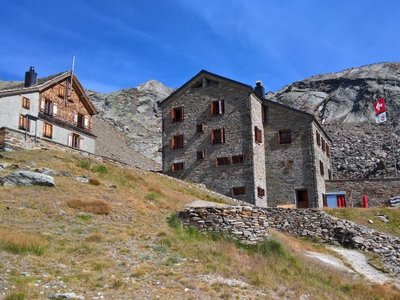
[
  {"x": 27, "y": 178},
  {"x": 134, "y": 113},
  {"x": 343, "y": 103}
]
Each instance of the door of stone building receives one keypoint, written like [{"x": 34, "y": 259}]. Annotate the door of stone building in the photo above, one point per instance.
[{"x": 302, "y": 198}]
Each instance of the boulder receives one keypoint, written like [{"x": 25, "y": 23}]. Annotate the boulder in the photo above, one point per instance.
[{"x": 27, "y": 178}]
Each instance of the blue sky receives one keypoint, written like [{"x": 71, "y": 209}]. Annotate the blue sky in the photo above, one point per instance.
[{"x": 121, "y": 43}]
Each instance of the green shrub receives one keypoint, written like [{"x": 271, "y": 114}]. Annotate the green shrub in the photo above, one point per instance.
[
  {"x": 84, "y": 164},
  {"x": 152, "y": 196},
  {"x": 102, "y": 169}
]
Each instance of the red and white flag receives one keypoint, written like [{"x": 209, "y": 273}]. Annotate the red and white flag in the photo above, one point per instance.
[{"x": 379, "y": 106}]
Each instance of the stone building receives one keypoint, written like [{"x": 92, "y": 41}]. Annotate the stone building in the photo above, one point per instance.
[
  {"x": 226, "y": 135},
  {"x": 47, "y": 111}
]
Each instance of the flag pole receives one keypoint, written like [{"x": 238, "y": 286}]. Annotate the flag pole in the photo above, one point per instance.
[{"x": 391, "y": 134}]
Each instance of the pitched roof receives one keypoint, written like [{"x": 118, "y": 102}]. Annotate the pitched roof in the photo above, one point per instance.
[
  {"x": 202, "y": 72},
  {"x": 45, "y": 82}
]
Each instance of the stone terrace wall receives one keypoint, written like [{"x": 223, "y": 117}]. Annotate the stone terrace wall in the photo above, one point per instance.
[
  {"x": 244, "y": 223},
  {"x": 250, "y": 225},
  {"x": 378, "y": 190}
]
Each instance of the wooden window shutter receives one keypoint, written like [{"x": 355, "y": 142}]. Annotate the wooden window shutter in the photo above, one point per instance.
[
  {"x": 81, "y": 143},
  {"x": 86, "y": 122},
  {"x": 183, "y": 113},
  {"x": 220, "y": 104},
  {"x": 222, "y": 135},
  {"x": 55, "y": 109},
  {"x": 173, "y": 115},
  {"x": 212, "y": 107},
  {"x": 42, "y": 105},
  {"x": 75, "y": 118},
  {"x": 172, "y": 144},
  {"x": 212, "y": 136},
  {"x": 183, "y": 141},
  {"x": 70, "y": 139}
]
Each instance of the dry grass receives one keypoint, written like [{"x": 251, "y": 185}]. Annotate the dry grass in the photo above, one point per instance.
[
  {"x": 126, "y": 253},
  {"x": 363, "y": 215},
  {"x": 91, "y": 206},
  {"x": 21, "y": 243}
]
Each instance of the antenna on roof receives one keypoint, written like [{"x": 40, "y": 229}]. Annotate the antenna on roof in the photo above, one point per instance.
[{"x": 72, "y": 76}]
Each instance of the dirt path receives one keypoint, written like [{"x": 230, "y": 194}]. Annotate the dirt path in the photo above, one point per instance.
[{"x": 359, "y": 263}]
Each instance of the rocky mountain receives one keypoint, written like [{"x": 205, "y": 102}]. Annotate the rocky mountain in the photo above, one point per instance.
[
  {"x": 134, "y": 113},
  {"x": 343, "y": 101},
  {"x": 346, "y": 96}
]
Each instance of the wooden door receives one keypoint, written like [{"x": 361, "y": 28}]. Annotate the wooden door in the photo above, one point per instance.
[{"x": 302, "y": 199}]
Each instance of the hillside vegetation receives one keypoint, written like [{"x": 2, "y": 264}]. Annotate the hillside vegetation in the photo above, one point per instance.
[{"x": 116, "y": 237}]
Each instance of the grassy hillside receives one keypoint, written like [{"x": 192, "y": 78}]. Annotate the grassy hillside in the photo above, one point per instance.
[
  {"x": 364, "y": 216},
  {"x": 114, "y": 238}
]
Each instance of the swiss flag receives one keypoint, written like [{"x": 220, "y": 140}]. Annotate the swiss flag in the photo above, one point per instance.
[{"x": 379, "y": 106}]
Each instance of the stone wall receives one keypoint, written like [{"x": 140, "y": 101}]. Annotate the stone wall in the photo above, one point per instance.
[
  {"x": 378, "y": 190},
  {"x": 196, "y": 100},
  {"x": 250, "y": 225},
  {"x": 321, "y": 155},
  {"x": 244, "y": 223},
  {"x": 289, "y": 167}
]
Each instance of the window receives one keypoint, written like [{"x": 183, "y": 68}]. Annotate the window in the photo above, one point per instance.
[
  {"x": 61, "y": 91},
  {"x": 24, "y": 123},
  {"x": 177, "y": 114},
  {"x": 321, "y": 168},
  {"x": 323, "y": 144},
  {"x": 257, "y": 135},
  {"x": 177, "y": 166},
  {"x": 237, "y": 159},
  {"x": 26, "y": 103},
  {"x": 200, "y": 127},
  {"x": 201, "y": 154},
  {"x": 329, "y": 174},
  {"x": 75, "y": 141},
  {"x": 218, "y": 136},
  {"x": 217, "y": 107},
  {"x": 177, "y": 142},
  {"x": 264, "y": 113},
  {"x": 285, "y": 136},
  {"x": 48, "y": 107},
  {"x": 328, "y": 150},
  {"x": 222, "y": 161},
  {"x": 47, "y": 130},
  {"x": 240, "y": 190},
  {"x": 318, "y": 138},
  {"x": 260, "y": 192}
]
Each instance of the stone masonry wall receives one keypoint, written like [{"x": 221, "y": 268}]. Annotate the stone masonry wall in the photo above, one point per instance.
[
  {"x": 378, "y": 190},
  {"x": 250, "y": 225},
  {"x": 322, "y": 156},
  {"x": 258, "y": 153},
  {"x": 289, "y": 167},
  {"x": 244, "y": 223},
  {"x": 196, "y": 99}
]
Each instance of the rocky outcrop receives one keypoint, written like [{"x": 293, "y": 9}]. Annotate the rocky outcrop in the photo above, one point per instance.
[
  {"x": 27, "y": 178},
  {"x": 135, "y": 114},
  {"x": 250, "y": 225}
]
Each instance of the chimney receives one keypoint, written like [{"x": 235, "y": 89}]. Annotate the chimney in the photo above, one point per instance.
[
  {"x": 259, "y": 89},
  {"x": 30, "y": 77}
]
